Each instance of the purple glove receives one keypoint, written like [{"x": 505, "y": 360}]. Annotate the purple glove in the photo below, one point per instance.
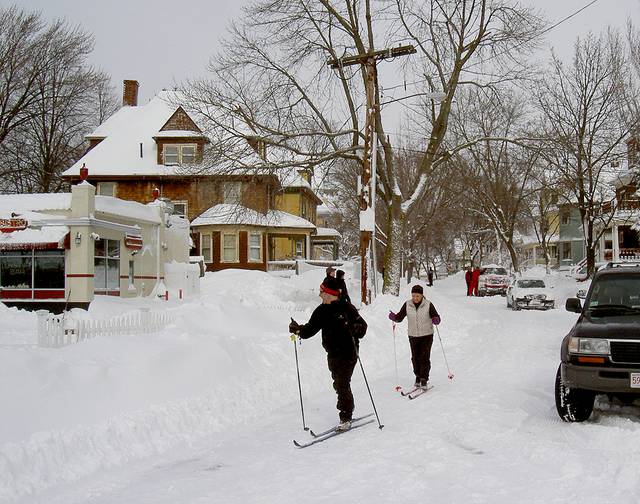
[
  {"x": 392, "y": 316},
  {"x": 435, "y": 320}
]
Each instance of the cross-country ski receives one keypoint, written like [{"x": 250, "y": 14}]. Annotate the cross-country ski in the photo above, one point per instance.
[{"x": 331, "y": 433}]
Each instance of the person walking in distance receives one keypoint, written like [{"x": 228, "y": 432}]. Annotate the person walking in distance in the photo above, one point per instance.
[
  {"x": 475, "y": 280},
  {"x": 421, "y": 317},
  {"x": 342, "y": 328},
  {"x": 468, "y": 277},
  {"x": 331, "y": 272},
  {"x": 344, "y": 294},
  {"x": 430, "y": 277}
]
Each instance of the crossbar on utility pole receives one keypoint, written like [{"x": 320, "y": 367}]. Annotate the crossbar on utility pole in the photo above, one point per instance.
[{"x": 367, "y": 191}]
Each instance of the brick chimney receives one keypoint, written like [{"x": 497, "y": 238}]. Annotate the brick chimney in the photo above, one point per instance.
[{"x": 130, "y": 93}]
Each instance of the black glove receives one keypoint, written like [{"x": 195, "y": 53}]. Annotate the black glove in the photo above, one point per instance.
[{"x": 294, "y": 327}]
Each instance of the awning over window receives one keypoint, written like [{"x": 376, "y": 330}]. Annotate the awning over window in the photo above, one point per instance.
[{"x": 45, "y": 238}]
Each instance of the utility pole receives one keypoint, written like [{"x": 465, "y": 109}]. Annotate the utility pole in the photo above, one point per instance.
[{"x": 366, "y": 187}]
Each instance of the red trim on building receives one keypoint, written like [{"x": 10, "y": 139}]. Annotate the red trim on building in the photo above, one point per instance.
[
  {"x": 16, "y": 294},
  {"x": 80, "y": 275},
  {"x": 29, "y": 246},
  {"x": 48, "y": 294}
]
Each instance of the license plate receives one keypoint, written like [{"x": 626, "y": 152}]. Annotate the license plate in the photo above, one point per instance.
[{"x": 635, "y": 380}]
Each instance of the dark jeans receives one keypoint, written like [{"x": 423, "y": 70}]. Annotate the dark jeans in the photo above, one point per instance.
[
  {"x": 421, "y": 355},
  {"x": 341, "y": 370}
]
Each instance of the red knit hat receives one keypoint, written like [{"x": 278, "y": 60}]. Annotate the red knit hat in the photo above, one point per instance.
[{"x": 330, "y": 286}]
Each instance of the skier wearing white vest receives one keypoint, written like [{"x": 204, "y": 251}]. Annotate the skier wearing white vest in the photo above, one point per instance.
[{"x": 421, "y": 317}]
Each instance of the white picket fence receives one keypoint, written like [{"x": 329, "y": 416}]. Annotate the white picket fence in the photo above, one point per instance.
[{"x": 56, "y": 331}]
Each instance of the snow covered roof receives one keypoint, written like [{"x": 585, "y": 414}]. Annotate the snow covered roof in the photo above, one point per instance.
[
  {"x": 228, "y": 214},
  {"x": 45, "y": 237},
  {"x": 129, "y": 209},
  {"x": 123, "y": 133},
  {"x": 24, "y": 203},
  {"x": 291, "y": 178},
  {"x": 329, "y": 232},
  {"x": 326, "y": 210},
  {"x": 36, "y": 206}
]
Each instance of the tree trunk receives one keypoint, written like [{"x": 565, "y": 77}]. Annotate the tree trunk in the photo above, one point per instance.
[
  {"x": 591, "y": 252},
  {"x": 514, "y": 256},
  {"x": 393, "y": 254}
]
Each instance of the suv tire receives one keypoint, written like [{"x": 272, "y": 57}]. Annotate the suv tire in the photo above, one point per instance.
[{"x": 573, "y": 405}]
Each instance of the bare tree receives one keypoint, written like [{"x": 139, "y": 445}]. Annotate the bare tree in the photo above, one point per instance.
[
  {"x": 272, "y": 81},
  {"x": 67, "y": 98},
  {"x": 497, "y": 172},
  {"x": 587, "y": 120},
  {"x": 21, "y": 49}
]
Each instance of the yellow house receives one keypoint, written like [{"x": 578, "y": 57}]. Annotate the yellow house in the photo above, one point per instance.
[
  {"x": 296, "y": 198},
  {"x": 530, "y": 248}
]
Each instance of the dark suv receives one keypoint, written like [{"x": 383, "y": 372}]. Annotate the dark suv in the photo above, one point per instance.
[{"x": 601, "y": 354}]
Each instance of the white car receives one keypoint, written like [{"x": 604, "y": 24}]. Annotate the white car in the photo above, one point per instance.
[{"x": 529, "y": 293}]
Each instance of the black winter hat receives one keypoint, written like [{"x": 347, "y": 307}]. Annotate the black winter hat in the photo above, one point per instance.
[
  {"x": 417, "y": 289},
  {"x": 339, "y": 274},
  {"x": 331, "y": 286}
]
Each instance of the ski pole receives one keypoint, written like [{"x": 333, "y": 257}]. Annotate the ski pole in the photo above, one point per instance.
[
  {"x": 295, "y": 349},
  {"x": 395, "y": 356},
  {"x": 450, "y": 375},
  {"x": 380, "y": 426}
]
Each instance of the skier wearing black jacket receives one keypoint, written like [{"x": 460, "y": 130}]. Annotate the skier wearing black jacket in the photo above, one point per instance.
[{"x": 342, "y": 328}]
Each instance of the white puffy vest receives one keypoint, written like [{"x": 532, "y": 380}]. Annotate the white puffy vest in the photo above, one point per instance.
[{"x": 418, "y": 320}]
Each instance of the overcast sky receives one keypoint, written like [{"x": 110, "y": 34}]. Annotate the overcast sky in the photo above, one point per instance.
[{"x": 159, "y": 42}]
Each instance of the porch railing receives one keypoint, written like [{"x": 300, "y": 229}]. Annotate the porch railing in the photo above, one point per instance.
[
  {"x": 627, "y": 204},
  {"x": 56, "y": 331}
]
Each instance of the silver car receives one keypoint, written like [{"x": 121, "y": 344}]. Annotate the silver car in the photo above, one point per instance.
[{"x": 531, "y": 293}]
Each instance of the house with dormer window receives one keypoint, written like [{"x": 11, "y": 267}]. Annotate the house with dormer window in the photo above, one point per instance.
[{"x": 157, "y": 147}]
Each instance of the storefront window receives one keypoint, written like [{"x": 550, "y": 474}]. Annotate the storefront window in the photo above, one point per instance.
[
  {"x": 49, "y": 269},
  {"x": 107, "y": 265},
  {"x": 16, "y": 269}
]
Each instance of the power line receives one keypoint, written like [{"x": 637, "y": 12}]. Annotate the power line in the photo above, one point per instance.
[{"x": 543, "y": 32}]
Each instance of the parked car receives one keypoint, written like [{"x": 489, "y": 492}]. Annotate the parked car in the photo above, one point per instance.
[
  {"x": 493, "y": 279},
  {"x": 529, "y": 293},
  {"x": 601, "y": 353}
]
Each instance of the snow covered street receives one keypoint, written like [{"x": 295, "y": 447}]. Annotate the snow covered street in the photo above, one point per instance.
[{"x": 206, "y": 411}]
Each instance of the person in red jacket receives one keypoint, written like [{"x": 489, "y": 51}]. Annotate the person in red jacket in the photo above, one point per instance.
[
  {"x": 467, "y": 278},
  {"x": 475, "y": 280}
]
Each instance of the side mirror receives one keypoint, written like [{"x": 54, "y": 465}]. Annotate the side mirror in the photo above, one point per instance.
[
  {"x": 573, "y": 305},
  {"x": 581, "y": 294}
]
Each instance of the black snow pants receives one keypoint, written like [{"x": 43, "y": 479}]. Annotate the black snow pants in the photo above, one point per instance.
[
  {"x": 341, "y": 370},
  {"x": 421, "y": 355}
]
